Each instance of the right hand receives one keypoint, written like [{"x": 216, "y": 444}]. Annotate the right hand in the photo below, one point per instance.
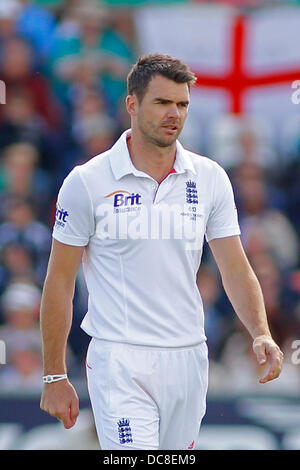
[{"x": 60, "y": 400}]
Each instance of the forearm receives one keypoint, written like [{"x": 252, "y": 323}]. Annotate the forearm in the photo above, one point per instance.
[
  {"x": 55, "y": 320},
  {"x": 244, "y": 292}
]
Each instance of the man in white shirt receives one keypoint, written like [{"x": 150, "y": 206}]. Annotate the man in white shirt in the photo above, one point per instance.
[{"x": 136, "y": 216}]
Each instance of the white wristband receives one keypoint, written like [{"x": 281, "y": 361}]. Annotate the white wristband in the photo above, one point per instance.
[{"x": 48, "y": 379}]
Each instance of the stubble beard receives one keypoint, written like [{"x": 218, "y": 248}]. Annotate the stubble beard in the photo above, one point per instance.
[{"x": 151, "y": 135}]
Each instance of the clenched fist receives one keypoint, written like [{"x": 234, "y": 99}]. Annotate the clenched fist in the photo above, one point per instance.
[
  {"x": 60, "y": 400},
  {"x": 268, "y": 352}
]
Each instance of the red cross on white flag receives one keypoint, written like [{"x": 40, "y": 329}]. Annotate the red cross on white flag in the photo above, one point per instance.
[
  {"x": 240, "y": 78},
  {"x": 245, "y": 64}
]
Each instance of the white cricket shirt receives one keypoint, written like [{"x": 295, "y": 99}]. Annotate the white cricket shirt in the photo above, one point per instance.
[{"x": 144, "y": 242}]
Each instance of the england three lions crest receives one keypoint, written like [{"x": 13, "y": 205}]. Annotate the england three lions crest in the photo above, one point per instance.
[
  {"x": 125, "y": 435},
  {"x": 191, "y": 192}
]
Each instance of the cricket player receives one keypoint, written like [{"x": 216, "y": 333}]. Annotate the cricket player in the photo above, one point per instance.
[{"x": 136, "y": 216}]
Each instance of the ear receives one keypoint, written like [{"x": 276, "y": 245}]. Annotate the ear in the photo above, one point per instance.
[{"x": 132, "y": 105}]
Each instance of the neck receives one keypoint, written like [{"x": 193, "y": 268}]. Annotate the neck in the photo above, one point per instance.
[{"x": 156, "y": 161}]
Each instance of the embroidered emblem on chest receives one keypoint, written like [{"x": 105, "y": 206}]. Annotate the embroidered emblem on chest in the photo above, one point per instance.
[{"x": 191, "y": 192}]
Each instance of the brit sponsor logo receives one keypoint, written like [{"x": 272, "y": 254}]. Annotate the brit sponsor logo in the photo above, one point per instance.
[
  {"x": 124, "y": 201},
  {"x": 61, "y": 216},
  {"x": 124, "y": 430},
  {"x": 124, "y": 216}
]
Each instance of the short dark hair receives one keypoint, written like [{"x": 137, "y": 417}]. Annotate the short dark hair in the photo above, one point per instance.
[{"x": 150, "y": 65}]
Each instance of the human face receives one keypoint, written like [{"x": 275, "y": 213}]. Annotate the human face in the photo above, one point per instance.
[{"x": 161, "y": 114}]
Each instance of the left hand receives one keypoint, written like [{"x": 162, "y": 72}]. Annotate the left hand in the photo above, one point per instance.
[{"x": 268, "y": 352}]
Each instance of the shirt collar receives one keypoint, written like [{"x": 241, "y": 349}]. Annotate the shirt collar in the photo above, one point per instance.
[
  {"x": 121, "y": 163},
  {"x": 183, "y": 161}
]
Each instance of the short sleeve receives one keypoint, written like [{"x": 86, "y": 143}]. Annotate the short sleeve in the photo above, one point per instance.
[
  {"x": 74, "y": 219},
  {"x": 223, "y": 218}
]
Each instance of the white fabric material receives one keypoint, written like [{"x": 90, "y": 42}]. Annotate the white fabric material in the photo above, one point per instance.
[
  {"x": 158, "y": 393},
  {"x": 144, "y": 243}
]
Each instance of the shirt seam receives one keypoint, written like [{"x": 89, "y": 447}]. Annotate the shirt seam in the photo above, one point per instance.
[
  {"x": 62, "y": 237},
  {"x": 89, "y": 197},
  {"x": 124, "y": 290},
  {"x": 228, "y": 232}
]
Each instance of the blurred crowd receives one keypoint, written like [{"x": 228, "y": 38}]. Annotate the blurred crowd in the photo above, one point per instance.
[{"x": 65, "y": 66}]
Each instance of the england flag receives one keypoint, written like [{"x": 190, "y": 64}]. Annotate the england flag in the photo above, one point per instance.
[{"x": 248, "y": 73}]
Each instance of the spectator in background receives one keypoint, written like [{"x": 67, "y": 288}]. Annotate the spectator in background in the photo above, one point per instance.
[
  {"x": 93, "y": 129},
  {"x": 22, "y": 178},
  {"x": 24, "y": 369},
  {"x": 277, "y": 291},
  {"x": 20, "y": 123},
  {"x": 17, "y": 262},
  {"x": 216, "y": 328},
  {"x": 237, "y": 138},
  {"x": 238, "y": 372},
  {"x": 19, "y": 72},
  {"x": 21, "y": 334},
  {"x": 37, "y": 24},
  {"x": 247, "y": 171},
  {"x": 237, "y": 364},
  {"x": 9, "y": 11},
  {"x": 20, "y": 304},
  {"x": 31, "y": 21},
  {"x": 21, "y": 226},
  {"x": 290, "y": 175},
  {"x": 264, "y": 226},
  {"x": 91, "y": 55}
]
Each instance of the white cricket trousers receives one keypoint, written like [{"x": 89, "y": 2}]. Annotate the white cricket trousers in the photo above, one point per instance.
[{"x": 147, "y": 397}]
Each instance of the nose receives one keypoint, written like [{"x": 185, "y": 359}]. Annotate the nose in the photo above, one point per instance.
[{"x": 173, "y": 111}]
